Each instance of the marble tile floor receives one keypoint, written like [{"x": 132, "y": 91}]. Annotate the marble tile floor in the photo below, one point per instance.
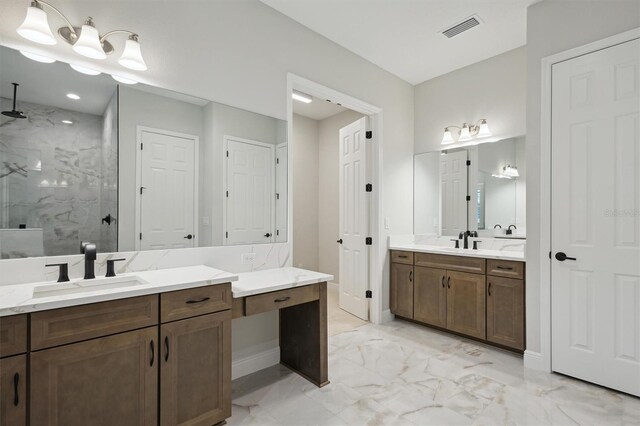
[
  {"x": 403, "y": 374},
  {"x": 338, "y": 320}
]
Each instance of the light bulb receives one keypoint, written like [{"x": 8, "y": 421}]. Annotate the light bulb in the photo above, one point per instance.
[{"x": 35, "y": 26}]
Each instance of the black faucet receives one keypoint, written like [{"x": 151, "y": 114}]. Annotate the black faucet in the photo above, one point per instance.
[
  {"x": 509, "y": 230},
  {"x": 90, "y": 254},
  {"x": 465, "y": 235}
]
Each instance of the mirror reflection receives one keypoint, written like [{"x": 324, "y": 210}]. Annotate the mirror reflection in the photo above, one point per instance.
[
  {"x": 478, "y": 188},
  {"x": 131, "y": 167}
]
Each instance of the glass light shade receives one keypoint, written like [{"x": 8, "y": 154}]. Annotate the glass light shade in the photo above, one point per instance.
[
  {"x": 124, "y": 80},
  {"x": 447, "y": 138},
  {"x": 511, "y": 171},
  {"x": 38, "y": 58},
  {"x": 84, "y": 70},
  {"x": 484, "y": 131},
  {"x": 36, "y": 27},
  {"x": 131, "y": 57},
  {"x": 465, "y": 135},
  {"x": 88, "y": 44}
]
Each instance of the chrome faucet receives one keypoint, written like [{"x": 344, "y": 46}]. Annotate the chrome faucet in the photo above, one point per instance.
[{"x": 90, "y": 254}]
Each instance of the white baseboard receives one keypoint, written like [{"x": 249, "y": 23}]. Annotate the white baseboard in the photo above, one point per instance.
[
  {"x": 387, "y": 316},
  {"x": 255, "y": 358},
  {"x": 535, "y": 361}
]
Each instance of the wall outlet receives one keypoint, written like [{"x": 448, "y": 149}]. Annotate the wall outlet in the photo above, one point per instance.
[{"x": 248, "y": 258}]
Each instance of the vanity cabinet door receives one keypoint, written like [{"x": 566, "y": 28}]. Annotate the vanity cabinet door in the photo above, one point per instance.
[
  {"x": 430, "y": 296},
  {"x": 505, "y": 312},
  {"x": 195, "y": 370},
  {"x": 466, "y": 303},
  {"x": 13, "y": 391},
  {"x": 402, "y": 290},
  {"x": 106, "y": 381}
]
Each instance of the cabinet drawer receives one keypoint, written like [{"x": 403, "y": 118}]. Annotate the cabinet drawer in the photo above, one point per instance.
[
  {"x": 194, "y": 301},
  {"x": 66, "y": 325},
  {"x": 281, "y": 299},
  {"x": 451, "y": 263},
  {"x": 402, "y": 257},
  {"x": 13, "y": 335},
  {"x": 505, "y": 268}
]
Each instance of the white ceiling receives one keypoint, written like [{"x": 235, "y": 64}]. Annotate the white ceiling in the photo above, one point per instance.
[
  {"x": 404, "y": 36},
  {"x": 319, "y": 109}
]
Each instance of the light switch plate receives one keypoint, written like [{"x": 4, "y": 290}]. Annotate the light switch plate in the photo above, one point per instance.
[{"x": 248, "y": 258}]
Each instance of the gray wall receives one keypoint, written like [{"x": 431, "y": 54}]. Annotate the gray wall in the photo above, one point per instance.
[
  {"x": 109, "y": 187},
  {"x": 138, "y": 108},
  {"x": 553, "y": 27}
]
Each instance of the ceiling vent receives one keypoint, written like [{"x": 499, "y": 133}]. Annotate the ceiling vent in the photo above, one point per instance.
[{"x": 463, "y": 26}]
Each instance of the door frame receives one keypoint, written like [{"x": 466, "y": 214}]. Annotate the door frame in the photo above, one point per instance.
[
  {"x": 225, "y": 148},
  {"x": 542, "y": 360},
  {"x": 377, "y": 254},
  {"x": 196, "y": 172}
]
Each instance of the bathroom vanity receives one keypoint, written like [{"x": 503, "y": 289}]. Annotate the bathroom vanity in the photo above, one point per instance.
[{"x": 475, "y": 293}]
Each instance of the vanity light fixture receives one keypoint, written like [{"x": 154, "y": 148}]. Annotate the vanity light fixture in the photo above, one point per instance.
[
  {"x": 38, "y": 58},
  {"x": 301, "y": 97},
  {"x": 508, "y": 172},
  {"x": 466, "y": 132},
  {"x": 73, "y": 96},
  {"x": 84, "y": 70},
  {"x": 86, "y": 40}
]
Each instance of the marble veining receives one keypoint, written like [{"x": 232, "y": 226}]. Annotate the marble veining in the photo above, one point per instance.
[
  {"x": 256, "y": 282},
  {"x": 403, "y": 374}
]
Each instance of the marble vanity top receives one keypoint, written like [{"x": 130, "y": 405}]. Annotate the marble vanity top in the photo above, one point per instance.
[
  {"x": 19, "y": 298},
  {"x": 251, "y": 283},
  {"x": 487, "y": 254}
]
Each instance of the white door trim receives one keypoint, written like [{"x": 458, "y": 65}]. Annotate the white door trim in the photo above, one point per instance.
[
  {"x": 225, "y": 147},
  {"x": 378, "y": 252},
  {"x": 196, "y": 172},
  {"x": 542, "y": 360}
]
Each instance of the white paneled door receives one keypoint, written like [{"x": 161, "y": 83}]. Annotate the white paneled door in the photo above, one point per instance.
[
  {"x": 281, "y": 192},
  {"x": 453, "y": 192},
  {"x": 167, "y": 190},
  {"x": 354, "y": 220},
  {"x": 250, "y": 192},
  {"x": 596, "y": 217}
]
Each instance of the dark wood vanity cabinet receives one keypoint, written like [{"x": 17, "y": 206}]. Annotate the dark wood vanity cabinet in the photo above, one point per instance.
[
  {"x": 13, "y": 390},
  {"x": 475, "y": 297},
  {"x": 121, "y": 362},
  {"x": 401, "y": 302}
]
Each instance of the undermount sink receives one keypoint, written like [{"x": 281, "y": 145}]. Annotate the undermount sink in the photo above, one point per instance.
[{"x": 85, "y": 286}]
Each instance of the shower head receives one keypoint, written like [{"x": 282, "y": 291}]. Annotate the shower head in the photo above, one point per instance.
[{"x": 14, "y": 113}]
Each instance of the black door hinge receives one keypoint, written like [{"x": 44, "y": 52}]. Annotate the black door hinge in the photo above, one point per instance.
[
  {"x": 368, "y": 241},
  {"x": 368, "y": 187},
  {"x": 277, "y": 161},
  {"x": 227, "y": 154},
  {"x": 141, "y": 235},
  {"x": 468, "y": 197},
  {"x": 277, "y": 232},
  {"x": 226, "y": 235},
  {"x": 141, "y": 146},
  {"x": 468, "y": 162},
  {"x": 549, "y": 255},
  {"x": 368, "y": 294},
  {"x": 369, "y": 134},
  {"x": 227, "y": 194},
  {"x": 277, "y": 196}
]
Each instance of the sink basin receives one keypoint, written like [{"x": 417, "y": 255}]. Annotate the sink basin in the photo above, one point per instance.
[{"x": 86, "y": 286}]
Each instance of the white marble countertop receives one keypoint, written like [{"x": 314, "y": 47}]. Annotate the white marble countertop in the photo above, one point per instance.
[
  {"x": 250, "y": 283},
  {"x": 487, "y": 254},
  {"x": 19, "y": 298}
]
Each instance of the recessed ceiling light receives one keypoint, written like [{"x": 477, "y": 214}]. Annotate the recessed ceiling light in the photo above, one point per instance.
[
  {"x": 67, "y": 121},
  {"x": 73, "y": 96},
  {"x": 84, "y": 70},
  {"x": 301, "y": 97},
  {"x": 38, "y": 58},
  {"x": 124, "y": 80}
]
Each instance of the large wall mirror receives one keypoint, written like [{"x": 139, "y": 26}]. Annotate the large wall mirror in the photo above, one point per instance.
[
  {"x": 131, "y": 167},
  {"x": 477, "y": 188}
]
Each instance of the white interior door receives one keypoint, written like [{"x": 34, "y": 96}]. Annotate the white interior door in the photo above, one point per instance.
[
  {"x": 281, "y": 192},
  {"x": 354, "y": 220},
  {"x": 167, "y": 190},
  {"x": 596, "y": 217},
  {"x": 250, "y": 192},
  {"x": 453, "y": 192}
]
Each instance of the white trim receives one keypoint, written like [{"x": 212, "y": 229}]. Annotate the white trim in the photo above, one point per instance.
[
  {"x": 545, "y": 362},
  {"x": 377, "y": 254},
  {"x": 534, "y": 361},
  {"x": 387, "y": 316},
  {"x": 225, "y": 159},
  {"x": 196, "y": 181},
  {"x": 257, "y": 359}
]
